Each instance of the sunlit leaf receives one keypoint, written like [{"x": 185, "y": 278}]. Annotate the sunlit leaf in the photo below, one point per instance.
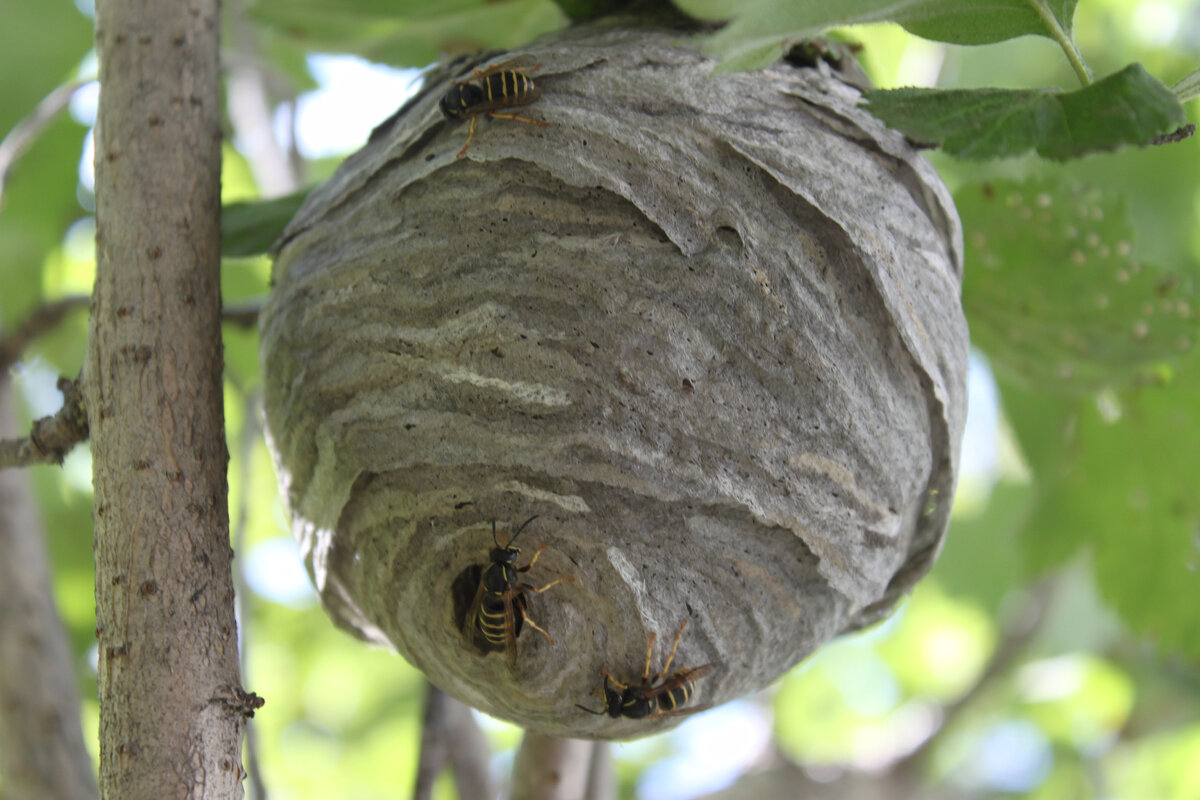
[
  {"x": 1128, "y": 107},
  {"x": 1054, "y": 291},
  {"x": 249, "y": 228},
  {"x": 1116, "y": 475},
  {"x": 411, "y": 33},
  {"x": 980, "y": 561},
  {"x": 759, "y": 30}
]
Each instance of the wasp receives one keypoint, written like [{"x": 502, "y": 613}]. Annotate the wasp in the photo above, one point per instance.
[
  {"x": 647, "y": 699},
  {"x": 499, "y": 610},
  {"x": 502, "y": 85}
]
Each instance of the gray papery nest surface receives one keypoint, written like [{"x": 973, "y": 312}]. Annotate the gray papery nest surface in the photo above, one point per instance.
[{"x": 706, "y": 327}]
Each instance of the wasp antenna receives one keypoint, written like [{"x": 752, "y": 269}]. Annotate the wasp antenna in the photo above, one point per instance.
[
  {"x": 588, "y": 710},
  {"x": 494, "y": 539},
  {"x": 518, "y": 533}
]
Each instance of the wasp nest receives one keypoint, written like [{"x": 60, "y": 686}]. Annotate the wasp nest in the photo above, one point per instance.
[{"x": 705, "y": 327}]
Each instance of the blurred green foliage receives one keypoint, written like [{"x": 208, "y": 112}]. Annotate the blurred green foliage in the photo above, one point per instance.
[{"x": 1090, "y": 509}]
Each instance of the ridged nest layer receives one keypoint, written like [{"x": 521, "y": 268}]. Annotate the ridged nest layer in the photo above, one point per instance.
[{"x": 706, "y": 327}]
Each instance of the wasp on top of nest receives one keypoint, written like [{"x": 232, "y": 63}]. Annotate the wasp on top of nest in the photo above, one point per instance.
[{"x": 502, "y": 85}]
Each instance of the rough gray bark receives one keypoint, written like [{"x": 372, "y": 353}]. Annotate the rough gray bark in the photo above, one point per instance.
[
  {"x": 707, "y": 328},
  {"x": 171, "y": 705},
  {"x": 42, "y": 754}
]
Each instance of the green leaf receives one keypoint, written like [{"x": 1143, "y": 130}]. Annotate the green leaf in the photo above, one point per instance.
[
  {"x": 980, "y": 560},
  {"x": 41, "y": 45},
  {"x": 411, "y": 33},
  {"x": 250, "y": 228},
  {"x": 1117, "y": 474},
  {"x": 759, "y": 30},
  {"x": 578, "y": 10},
  {"x": 1055, "y": 294},
  {"x": 1128, "y": 107},
  {"x": 988, "y": 21}
]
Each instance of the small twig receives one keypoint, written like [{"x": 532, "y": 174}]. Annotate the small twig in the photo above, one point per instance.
[
  {"x": 245, "y": 316},
  {"x": 25, "y": 132},
  {"x": 435, "y": 749},
  {"x": 450, "y": 734},
  {"x": 250, "y": 434},
  {"x": 1177, "y": 135},
  {"x": 46, "y": 317},
  {"x": 548, "y": 768},
  {"x": 52, "y": 437},
  {"x": 42, "y": 319}
]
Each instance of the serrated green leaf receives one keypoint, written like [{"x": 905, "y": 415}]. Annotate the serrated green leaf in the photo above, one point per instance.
[
  {"x": 988, "y": 21},
  {"x": 411, "y": 33},
  {"x": 759, "y": 30},
  {"x": 1128, "y": 107},
  {"x": 1055, "y": 294},
  {"x": 250, "y": 228},
  {"x": 1116, "y": 473}
]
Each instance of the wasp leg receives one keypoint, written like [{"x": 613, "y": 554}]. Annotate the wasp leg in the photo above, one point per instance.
[
  {"x": 614, "y": 681},
  {"x": 671, "y": 657},
  {"x": 461, "y": 153},
  {"x": 533, "y": 560},
  {"x": 494, "y": 115},
  {"x": 538, "y": 628},
  {"x": 649, "y": 650},
  {"x": 565, "y": 579}
]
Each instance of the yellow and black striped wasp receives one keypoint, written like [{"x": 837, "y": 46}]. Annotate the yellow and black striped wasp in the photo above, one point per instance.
[
  {"x": 646, "y": 699},
  {"x": 499, "y": 609},
  {"x": 502, "y": 85}
]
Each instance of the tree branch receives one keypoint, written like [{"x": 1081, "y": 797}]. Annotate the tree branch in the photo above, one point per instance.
[
  {"x": 43, "y": 319},
  {"x": 52, "y": 437},
  {"x": 549, "y": 768},
  {"x": 42, "y": 754},
  {"x": 601, "y": 782},
  {"x": 451, "y": 734},
  {"x": 1016, "y": 638},
  {"x": 25, "y": 132}
]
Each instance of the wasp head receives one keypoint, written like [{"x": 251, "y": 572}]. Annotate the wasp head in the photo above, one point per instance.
[
  {"x": 457, "y": 102},
  {"x": 505, "y": 555}
]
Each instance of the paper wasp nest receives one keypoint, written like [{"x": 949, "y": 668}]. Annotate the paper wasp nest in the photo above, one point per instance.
[{"x": 708, "y": 329}]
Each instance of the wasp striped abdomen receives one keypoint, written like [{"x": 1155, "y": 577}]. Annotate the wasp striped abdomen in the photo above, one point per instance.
[
  {"x": 650, "y": 697},
  {"x": 499, "y": 610},
  {"x": 503, "y": 85}
]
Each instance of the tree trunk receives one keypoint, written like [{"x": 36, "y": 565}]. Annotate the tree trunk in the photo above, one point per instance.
[{"x": 171, "y": 707}]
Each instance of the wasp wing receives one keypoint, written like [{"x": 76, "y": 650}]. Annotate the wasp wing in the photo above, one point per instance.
[
  {"x": 510, "y": 626},
  {"x": 470, "y": 626},
  {"x": 521, "y": 63},
  {"x": 681, "y": 678}
]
